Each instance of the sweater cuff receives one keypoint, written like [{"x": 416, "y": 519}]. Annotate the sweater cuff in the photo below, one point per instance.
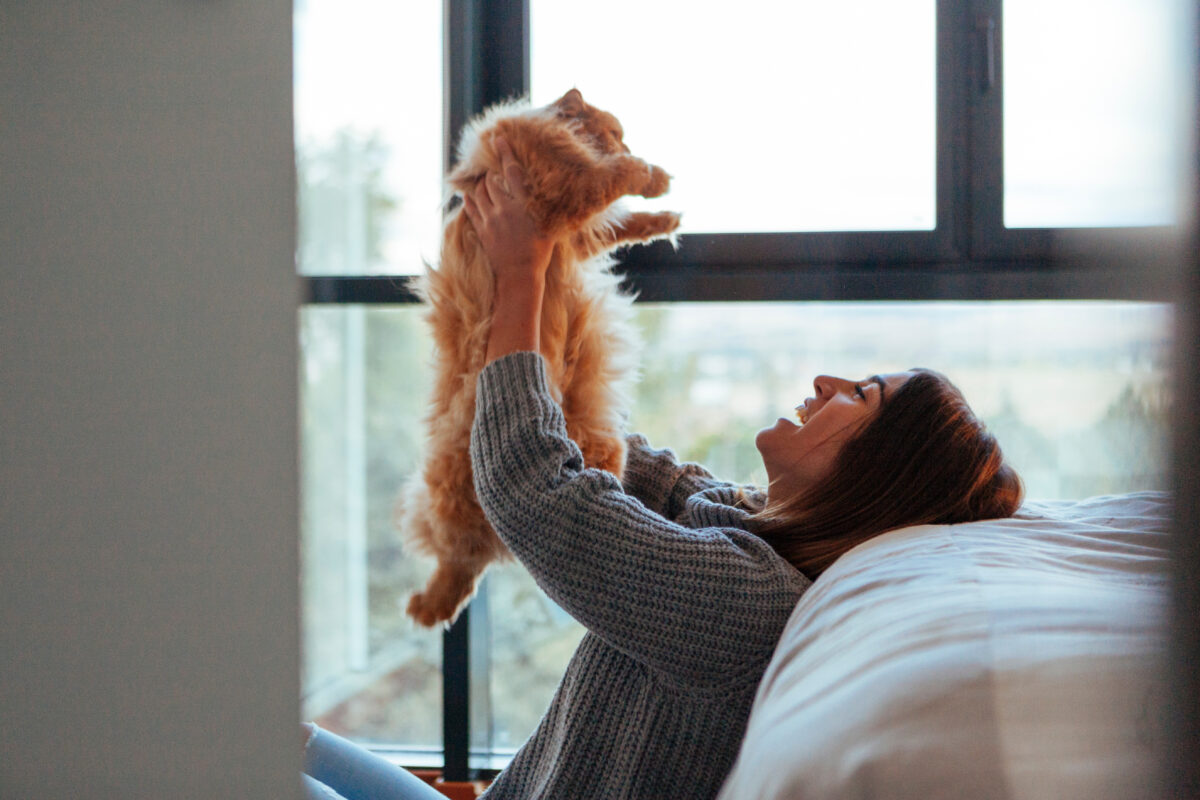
[
  {"x": 520, "y": 370},
  {"x": 650, "y": 474},
  {"x": 517, "y": 380}
]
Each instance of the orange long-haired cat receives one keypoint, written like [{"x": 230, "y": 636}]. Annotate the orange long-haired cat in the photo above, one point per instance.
[{"x": 576, "y": 168}]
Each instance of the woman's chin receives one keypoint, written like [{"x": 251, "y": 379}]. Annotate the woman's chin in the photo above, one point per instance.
[
  {"x": 758, "y": 438},
  {"x": 781, "y": 426}
]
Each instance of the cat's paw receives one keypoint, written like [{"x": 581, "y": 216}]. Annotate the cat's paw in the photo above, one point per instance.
[
  {"x": 657, "y": 182},
  {"x": 670, "y": 221},
  {"x": 429, "y": 611},
  {"x": 659, "y": 224}
]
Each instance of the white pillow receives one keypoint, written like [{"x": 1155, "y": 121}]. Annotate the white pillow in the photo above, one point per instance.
[{"x": 1018, "y": 658}]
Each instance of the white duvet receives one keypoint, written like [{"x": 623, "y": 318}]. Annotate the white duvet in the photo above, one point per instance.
[{"x": 1017, "y": 658}]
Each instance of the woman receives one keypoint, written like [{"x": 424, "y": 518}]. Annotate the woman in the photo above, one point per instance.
[{"x": 683, "y": 582}]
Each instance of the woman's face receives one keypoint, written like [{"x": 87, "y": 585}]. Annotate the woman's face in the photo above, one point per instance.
[{"x": 797, "y": 455}]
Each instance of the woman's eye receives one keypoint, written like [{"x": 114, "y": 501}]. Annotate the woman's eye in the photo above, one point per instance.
[{"x": 858, "y": 390}]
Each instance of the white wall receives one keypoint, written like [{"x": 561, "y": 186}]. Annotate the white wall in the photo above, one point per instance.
[{"x": 148, "y": 500}]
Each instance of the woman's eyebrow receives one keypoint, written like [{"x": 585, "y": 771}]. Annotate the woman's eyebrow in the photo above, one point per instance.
[{"x": 882, "y": 386}]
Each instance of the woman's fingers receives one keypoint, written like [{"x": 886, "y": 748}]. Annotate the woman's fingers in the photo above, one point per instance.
[
  {"x": 512, "y": 173},
  {"x": 471, "y": 210},
  {"x": 500, "y": 193},
  {"x": 478, "y": 205},
  {"x": 483, "y": 197}
]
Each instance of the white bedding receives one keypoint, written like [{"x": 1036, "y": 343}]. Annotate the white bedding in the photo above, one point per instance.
[{"x": 1017, "y": 658}]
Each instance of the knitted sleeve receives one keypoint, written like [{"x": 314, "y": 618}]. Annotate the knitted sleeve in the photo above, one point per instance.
[
  {"x": 702, "y": 605},
  {"x": 658, "y": 479}
]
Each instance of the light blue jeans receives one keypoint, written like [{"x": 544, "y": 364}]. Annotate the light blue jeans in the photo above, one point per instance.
[{"x": 336, "y": 769}]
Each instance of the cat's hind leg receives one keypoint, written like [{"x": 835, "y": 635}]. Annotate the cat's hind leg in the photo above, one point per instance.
[
  {"x": 602, "y": 448},
  {"x": 452, "y": 527},
  {"x": 594, "y": 394},
  {"x": 448, "y": 590}
]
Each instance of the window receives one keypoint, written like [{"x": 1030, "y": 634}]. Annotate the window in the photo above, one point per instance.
[
  {"x": 1108, "y": 156},
  {"x": 788, "y": 134},
  {"x": 924, "y": 231},
  {"x": 367, "y": 671},
  {"x": 369, "y": 189},
  {"x": 1079, "y": 124},
  {"x": 370, "y": 180}
]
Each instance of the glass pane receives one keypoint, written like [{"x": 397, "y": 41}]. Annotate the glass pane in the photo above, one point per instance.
[
  {"x": 772, "y": 115},
  {"x": 1094, "y": 123},
  {"x": 367, "y": 673},
  {"x": 528, "y": 640},
  {"x": 368, "y": 135},
  {"x": 1076, "y": 392}
]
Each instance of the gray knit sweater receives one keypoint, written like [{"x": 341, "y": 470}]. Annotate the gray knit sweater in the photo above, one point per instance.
[{"x": 682, "y": 605}]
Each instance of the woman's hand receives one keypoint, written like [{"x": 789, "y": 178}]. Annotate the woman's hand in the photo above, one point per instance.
[{"x": 517, "y": 252}]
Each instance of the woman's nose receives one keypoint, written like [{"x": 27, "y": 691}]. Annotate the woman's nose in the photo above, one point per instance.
[{"x": 828, "y": 384}]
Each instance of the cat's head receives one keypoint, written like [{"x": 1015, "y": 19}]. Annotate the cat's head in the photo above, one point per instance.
[
  {"x": 602, "y": 130},
  {"x": 529, "y": 130},
  {"x": 574, "y": 161}
]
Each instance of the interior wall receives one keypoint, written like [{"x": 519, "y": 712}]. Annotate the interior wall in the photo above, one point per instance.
[
  {"x": 1184, "y": 722},
  {"x": 148, "y": 515},
  {"x": 1183, "y": 760}
]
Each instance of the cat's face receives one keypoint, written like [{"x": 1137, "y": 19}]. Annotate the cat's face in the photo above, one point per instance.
[{"x": 600, "y": 127}]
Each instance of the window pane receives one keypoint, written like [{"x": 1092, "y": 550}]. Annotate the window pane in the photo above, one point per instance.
[
  {"x": 1094, "y": 132},
  {"x": 367, "y": 672},
  {"x": 368, "y": 135},
  {"x": 528, "y": 640},
  {"x": 784, "y": 115},
  {"x": 1076, "y": 392}
]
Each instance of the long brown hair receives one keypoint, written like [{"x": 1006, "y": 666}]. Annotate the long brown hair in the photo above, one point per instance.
[{"x": 925, "y": 458}]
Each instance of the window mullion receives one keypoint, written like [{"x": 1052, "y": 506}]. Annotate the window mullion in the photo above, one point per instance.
[
  {"x": 954, "y": 162},
  {"x": 990, "y": 239},
  {"x": 984, "y": 94},
  {"x": 487, "y": 47}
]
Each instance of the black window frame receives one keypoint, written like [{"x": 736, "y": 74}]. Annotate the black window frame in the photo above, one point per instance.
[{"x": 969, "y": 255}]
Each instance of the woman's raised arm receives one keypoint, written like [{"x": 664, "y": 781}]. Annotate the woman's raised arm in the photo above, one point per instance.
[{"x": 700, "y": 604}]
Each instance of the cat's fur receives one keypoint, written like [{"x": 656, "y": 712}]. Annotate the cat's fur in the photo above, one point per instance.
[{"x": 576, "y": 167}]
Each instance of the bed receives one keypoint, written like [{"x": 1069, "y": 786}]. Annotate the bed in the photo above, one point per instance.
[{"x": 1018, "y": 658}]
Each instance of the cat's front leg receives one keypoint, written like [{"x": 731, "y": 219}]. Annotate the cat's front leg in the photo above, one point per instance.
[
  {"x": 656, "y": 183},
  {"x": 632, "y": 175},
  {"x": 642, "y": 226},
  {"x": 616, "y": 177}
]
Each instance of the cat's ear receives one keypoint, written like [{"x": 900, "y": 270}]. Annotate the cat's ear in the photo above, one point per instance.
[{"x": 570, "y": 104}]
